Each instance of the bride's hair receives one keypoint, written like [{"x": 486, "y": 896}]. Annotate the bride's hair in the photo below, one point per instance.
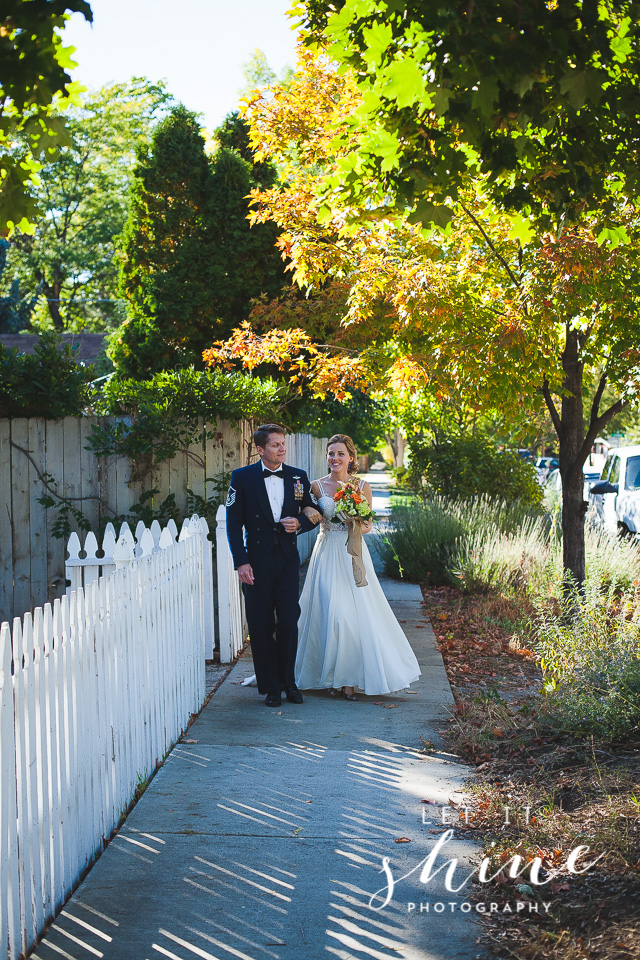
[{"x": 351, "y": 449}]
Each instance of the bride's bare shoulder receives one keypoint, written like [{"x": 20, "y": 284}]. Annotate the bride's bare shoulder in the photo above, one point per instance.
[{"x": 322, "y": 486}]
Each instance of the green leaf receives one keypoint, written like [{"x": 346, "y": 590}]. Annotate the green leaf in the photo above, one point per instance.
[
  {"x": 521, "y": 229},
  {"x": 441, "y": 101},
  {"x": 524, "y": 84},
  {"x": 582, "y": 85},
  {"x": 377, "y": 40},
  {"x": 404, "y": 82},
  {"x": 486, "y": 95},
  {"x": 64, "y": 56},
  {"x": 340, "y": 21},
  {"x": 428, "y": 212},
  {"x": 386, "y": 146},
  {"x": 615, "y": 236},
  {"x": 323, "y": 215},
  {"x": 621, "y": 49}
]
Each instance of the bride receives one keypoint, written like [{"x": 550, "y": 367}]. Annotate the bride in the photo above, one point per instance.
[{"x": 348, "y": 635}]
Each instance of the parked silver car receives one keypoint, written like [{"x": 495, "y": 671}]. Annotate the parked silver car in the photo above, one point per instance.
[
  {"x": 614, "y": 501},
  {"x": 553, "y": 485}
]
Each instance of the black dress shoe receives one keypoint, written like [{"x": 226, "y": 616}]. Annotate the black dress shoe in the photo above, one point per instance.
[
  {"x": 273, "y": 700},
  {"x": 293, "y": 695}
]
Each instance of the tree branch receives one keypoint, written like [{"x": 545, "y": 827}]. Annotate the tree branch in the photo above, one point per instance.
[
  {"x": 492, "y": 246},
  {"x": 48, "y": 486},
  {"x": 597, "y": 425},
  {"x": 555, "y": 416},
  {"x": 595, "y": 406}
]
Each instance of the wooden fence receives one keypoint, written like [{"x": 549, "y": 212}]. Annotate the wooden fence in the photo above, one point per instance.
[
  {"x": 93, "y": 692},
  {"x": 32, "y": 561}
]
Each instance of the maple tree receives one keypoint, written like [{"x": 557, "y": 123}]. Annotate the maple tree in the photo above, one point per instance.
[
  {"x": 500, "y": 307},
  {"x": 537, "y": 104},
  {"x": 541, "y": 98}
]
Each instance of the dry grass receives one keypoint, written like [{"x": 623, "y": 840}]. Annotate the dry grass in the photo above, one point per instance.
[{"x": 577, "y": 791}]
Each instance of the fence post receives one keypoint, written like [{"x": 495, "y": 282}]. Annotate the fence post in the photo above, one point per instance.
[
  {"x": 123, "y": 553},
  {"x": 9, "y": 888},
  {"x": 209, "y": 618},
  {"x": 229, "y": 597},
  {"x": 72, "y": 568}
]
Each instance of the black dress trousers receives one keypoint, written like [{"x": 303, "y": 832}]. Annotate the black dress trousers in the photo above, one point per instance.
[{"x": 272, "y": 609}]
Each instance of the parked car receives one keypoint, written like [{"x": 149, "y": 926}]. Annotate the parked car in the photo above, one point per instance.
[
  {"x": 614, "y": 501},
  {"x": 553, "y": 484},
  {"x": 591, "y": 476},
  {"x": 544, "y": 466}
]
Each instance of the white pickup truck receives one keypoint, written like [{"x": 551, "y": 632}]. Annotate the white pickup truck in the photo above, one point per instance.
[{"x": 614, "y": 501}]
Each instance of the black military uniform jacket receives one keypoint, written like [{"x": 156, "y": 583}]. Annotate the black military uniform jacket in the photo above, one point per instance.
[{"x": 249, "y": 511}]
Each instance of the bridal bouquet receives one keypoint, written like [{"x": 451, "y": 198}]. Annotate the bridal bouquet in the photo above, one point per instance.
[{"x": 351, "y": 507}]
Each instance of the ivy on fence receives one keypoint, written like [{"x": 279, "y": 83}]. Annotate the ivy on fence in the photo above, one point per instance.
[{"x": 165, "y": 414}]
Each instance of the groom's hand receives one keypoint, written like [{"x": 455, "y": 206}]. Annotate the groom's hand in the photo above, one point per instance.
[
  {"x": 290, "y": 524},
  {"x": 245, "y": 573}
]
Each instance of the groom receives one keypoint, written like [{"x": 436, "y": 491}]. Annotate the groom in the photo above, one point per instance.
[{"x": 266, "y": 500}]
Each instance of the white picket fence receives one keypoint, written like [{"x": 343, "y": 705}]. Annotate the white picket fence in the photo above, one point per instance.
[
  {"x": 93, "y": 692},
  {"x": 82, "y": 571},
  {"x": 225, "y": 599}
]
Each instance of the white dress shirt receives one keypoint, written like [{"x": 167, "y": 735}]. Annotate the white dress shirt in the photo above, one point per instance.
[{"x": 275, "y": 492}]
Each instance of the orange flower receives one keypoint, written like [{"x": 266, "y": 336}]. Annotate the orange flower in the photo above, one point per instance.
[
  {"x": 357, "y": 498},
  {"x": 338, "y": 495}
]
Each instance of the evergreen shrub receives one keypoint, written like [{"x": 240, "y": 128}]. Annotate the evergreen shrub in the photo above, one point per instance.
[{"x": 46, "y": 383}]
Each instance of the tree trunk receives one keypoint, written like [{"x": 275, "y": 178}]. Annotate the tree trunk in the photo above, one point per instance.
[
  {"x": 52, "y": 293},
  {"x": 54, "y": 306},
  {"x": 575, "y": 444},
  {"x": 571, "y": 442},
  {"x": 397, "y": 443},
  {"x": 573, "y": 514}
]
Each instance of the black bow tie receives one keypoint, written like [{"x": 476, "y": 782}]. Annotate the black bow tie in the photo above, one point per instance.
[{"x": 271, "y": 473}]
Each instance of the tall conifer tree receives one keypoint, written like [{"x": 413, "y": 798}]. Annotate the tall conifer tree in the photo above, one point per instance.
[
  {"x": 191, "y": 262},
  {"x": 166, "y": 258}
]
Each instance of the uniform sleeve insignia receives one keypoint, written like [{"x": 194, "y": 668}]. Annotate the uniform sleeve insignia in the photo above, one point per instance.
[
  {"x": 313, "y": 497},
  {"x": 231, "y": 497}
]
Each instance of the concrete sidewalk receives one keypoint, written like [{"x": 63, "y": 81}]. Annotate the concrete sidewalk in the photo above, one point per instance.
[{"x": 264, "y": 839}]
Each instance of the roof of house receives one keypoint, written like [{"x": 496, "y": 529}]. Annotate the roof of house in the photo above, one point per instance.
[{"x": 89, "y": 345}]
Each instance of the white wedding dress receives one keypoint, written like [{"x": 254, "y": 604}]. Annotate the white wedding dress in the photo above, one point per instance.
[{"x": 348, "y": 635}]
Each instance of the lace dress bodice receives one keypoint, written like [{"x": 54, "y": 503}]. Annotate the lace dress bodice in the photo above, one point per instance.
[{"x": 328, "y": 508}]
